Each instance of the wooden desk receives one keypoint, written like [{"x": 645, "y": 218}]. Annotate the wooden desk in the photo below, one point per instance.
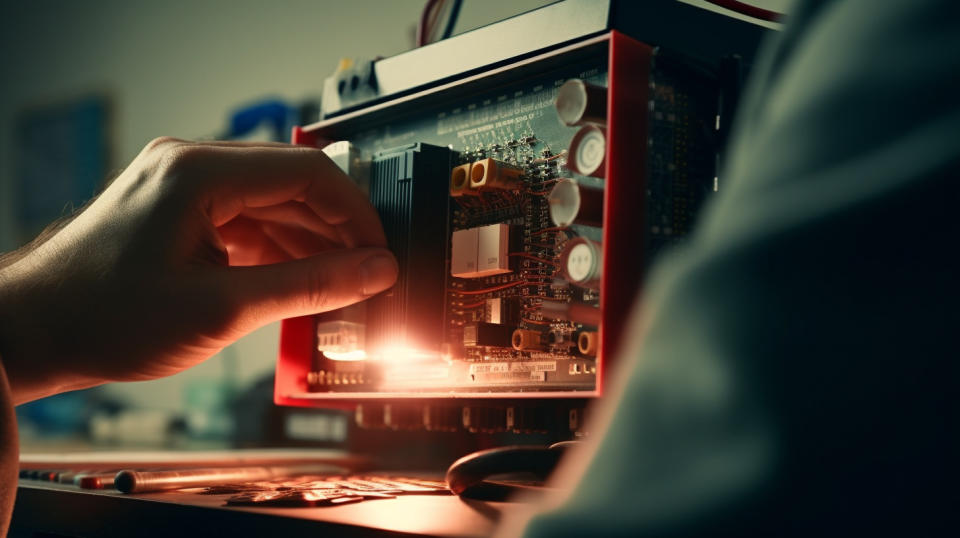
[{"x": 44, "y": 507}]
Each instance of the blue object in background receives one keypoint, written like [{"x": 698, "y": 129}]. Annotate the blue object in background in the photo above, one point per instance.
[
  {"x": 277, "y": 115},
  {"x": 60, "y": 415}
]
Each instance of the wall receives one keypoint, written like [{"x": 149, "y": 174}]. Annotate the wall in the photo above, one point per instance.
[{"x": 177, "y": 68}]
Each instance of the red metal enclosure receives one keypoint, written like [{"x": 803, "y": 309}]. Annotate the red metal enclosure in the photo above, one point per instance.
[{"x": 628, "y": 67}]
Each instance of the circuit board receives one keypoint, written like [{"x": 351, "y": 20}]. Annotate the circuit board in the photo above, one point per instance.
[{"x": 464, "y": 192}]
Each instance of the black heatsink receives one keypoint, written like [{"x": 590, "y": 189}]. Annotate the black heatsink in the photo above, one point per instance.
[{"x": 408, "y": 187}]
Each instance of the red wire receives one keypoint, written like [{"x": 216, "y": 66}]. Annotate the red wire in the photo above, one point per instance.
[
  {"x": 534, "y": 258},
  {"x": 551, "y": 158},
  {"x": 423, "y": 29},
  {"x": 434, "y": 18},
  {"x": 545, "y": 230},
  {"x": 744, "y": 8},
  {"x": 488, "y": 290}
]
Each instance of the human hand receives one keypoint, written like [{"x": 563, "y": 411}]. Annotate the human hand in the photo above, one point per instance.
[{"x": 194, "y": 245}]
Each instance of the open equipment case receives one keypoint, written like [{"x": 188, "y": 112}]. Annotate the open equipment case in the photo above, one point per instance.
[{"x": 526, "y": 174}]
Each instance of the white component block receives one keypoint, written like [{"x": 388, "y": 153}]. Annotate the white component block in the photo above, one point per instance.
[
  {"x": 463, "y": 256},
  {"x": 340, "y": 336},
  {"x": 347, "y": 158},
  {"x": 493, "y": 250},
  {"x": 480, "y": 252},
  {"x": 494, "y": 310}
]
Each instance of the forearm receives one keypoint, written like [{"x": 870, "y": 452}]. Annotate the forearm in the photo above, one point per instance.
[
  {"x": 9, "y": 451},
  {"x": 33, "y": 362}
]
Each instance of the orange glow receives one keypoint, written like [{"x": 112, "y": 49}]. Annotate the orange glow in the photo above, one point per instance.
[
  {"x": 355, "y": 355},
  {"x": 402, "y": 353},
  {"x": 394, "y": 353}
]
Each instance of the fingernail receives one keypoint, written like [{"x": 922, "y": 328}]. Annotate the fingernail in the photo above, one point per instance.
[{"x": 377, "y": 273}]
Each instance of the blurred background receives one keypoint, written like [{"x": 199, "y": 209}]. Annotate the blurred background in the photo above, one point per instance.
[{"x": 84, "y": 85}]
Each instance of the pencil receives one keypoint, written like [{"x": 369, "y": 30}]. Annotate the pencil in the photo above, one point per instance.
[{"x": 132, "y": 481}]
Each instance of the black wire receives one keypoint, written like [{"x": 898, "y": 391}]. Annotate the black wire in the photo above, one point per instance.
[{"x": 452, "y": 19}]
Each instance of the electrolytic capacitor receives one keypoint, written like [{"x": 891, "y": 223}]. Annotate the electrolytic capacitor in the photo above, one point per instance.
[
  {"x": 587, "y": 152},
  {"x": 573, "y": 203},
  {"x": 581, "y": 263},
  {"x": 579, "y": 103}
]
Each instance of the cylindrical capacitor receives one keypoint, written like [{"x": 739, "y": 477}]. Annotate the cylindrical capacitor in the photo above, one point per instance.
[
  {"x": 581, "y": 263},
  {"x": 579, "y": 102},
  {"x": 575, "y": 311},
  {"x": 587, "y": 151},
  {"x": 573, "y": 203},
  {"x": 524, "y": 339},
  {"x": 588, "y": 342}
]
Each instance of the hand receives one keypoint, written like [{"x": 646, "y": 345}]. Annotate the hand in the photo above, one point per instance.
[{"x": 191, "y": 247}]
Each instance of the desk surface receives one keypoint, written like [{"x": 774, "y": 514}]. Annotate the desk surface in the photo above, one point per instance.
[{"x": 61, "y": 509}]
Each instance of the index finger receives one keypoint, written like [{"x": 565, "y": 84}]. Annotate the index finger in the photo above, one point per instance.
[{"x": 232, "y": 178}]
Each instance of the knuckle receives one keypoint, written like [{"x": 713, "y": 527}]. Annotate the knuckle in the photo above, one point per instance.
[
  {"x": 161, "y": 142},
  {"x": 180, "y": 160}
]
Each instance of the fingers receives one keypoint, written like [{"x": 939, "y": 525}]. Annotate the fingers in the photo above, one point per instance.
[
  {"x": 319, "y": 283},
  {"x": 253, "y": 241},
  {"x": 275, "y": 207},
  {"x": 296, "y": 241},
  {"x": 293, "y": 213},
  {"x": 247, "y": 244},
  {"x": 233, "y": 178}
]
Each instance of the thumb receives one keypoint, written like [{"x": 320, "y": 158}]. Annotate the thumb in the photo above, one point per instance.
[{"x": 327, "y": 281}]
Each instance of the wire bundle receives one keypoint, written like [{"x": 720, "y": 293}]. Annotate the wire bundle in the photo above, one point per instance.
[{"x": 430, "y": 17}]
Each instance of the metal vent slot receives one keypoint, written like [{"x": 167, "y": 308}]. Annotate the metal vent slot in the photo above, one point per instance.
[
  {"x": 392, "y": 199},
  {"x": 410, "y": 200}
]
